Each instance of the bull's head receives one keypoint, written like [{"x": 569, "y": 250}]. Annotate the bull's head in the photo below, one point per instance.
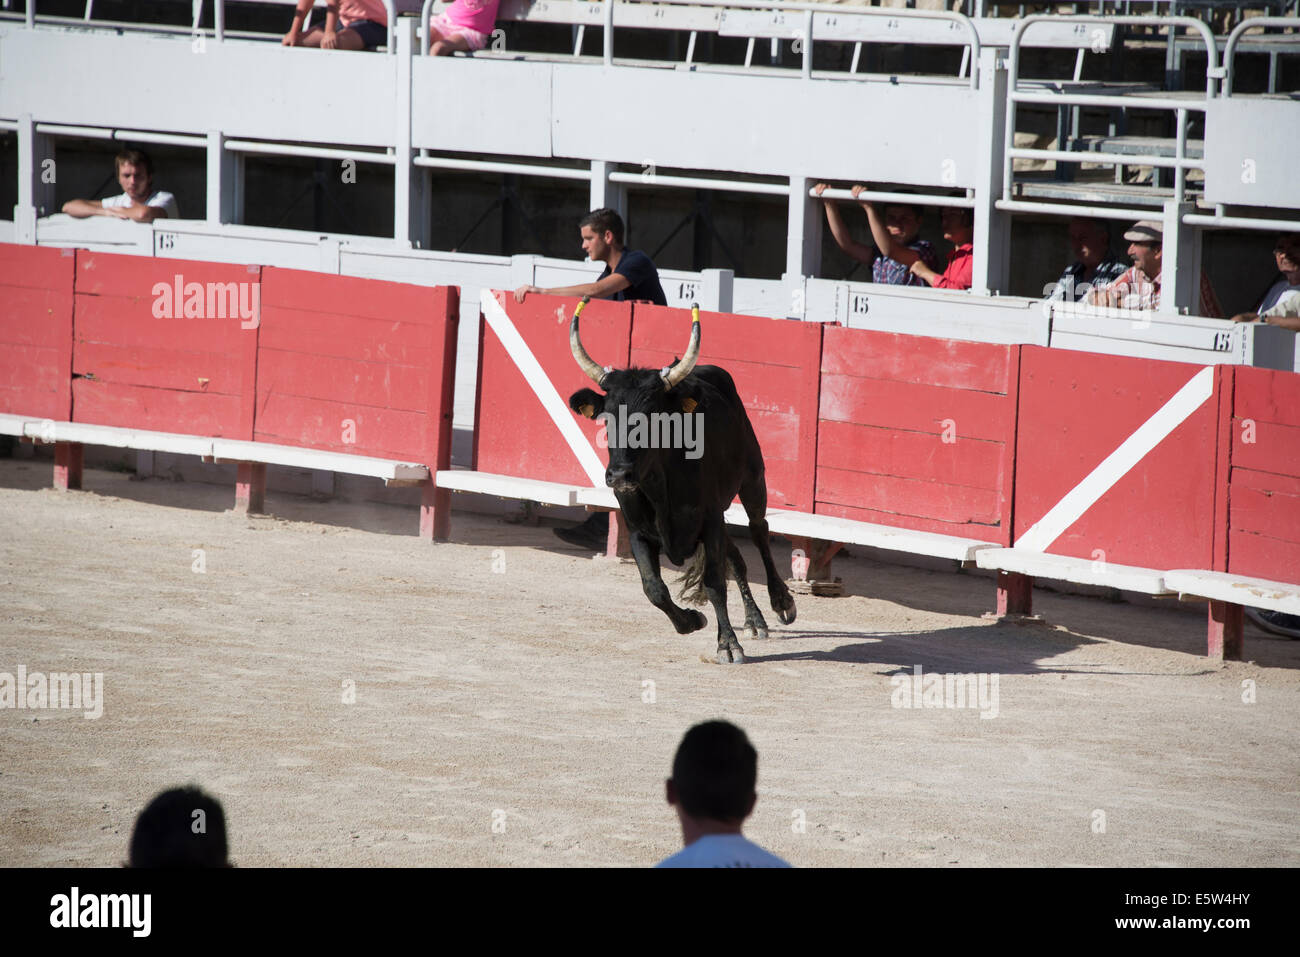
[{"x": 647, "y": 414}]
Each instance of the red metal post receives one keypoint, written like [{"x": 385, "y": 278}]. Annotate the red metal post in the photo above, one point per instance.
[
  {"x": 68, "y": 460},
  {"x": 1225, "y": 632},
  {"x": 250, "y": 487},
  {"x": 1015, "y": 594}
]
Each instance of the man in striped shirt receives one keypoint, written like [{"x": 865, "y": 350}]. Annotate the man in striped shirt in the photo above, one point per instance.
[{"x": 1139, "y": 287}]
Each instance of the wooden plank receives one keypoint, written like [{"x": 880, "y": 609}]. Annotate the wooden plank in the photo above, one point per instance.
[
  {"x": 1267, "y": 395},
  {"x": 135, "y": 277},
  {"x": 343, "y": 336},
  {"x": 120, "y": 438},
  {"x": 131, "y": 323},
  {"x": 382, "y": 385},
  {"x": 36, "y": 267},
  {"x": 918, "y": 455},
  {"x": 313, "y": 292},
  {"x": 977, "y": 366},
  {"x": 1236, "y": 589},
  {"x": 1225, "y": 386},
  {"x": 663, "y": 332},
  {"x": 1276, "y": 448},
  {"x": 321, "y": 424},
  {"x": 1081, "y": 571},
  {"x": 1250, "y": 553},
  {"x": 36, "y": 307},
  {"x": 953, "y": 504},
  {"x": 911, "y": 522},
  {"x": 1266, "y": 482},
  {"x": 761, "y": 386},
  {"x": 1265, "y": 513},
  {"x": 441, "y": 380},
  {"x": 30, "y": 369},
  {"x": 1006, "y": 491},
  {"x": 835, "y": 529},
  {"x": 136, "y": 407},
  {"x": 213, "y": 373},
  {"x": 269, "y": 453},
  {"x": 507, "y": 486},
  {"x": 915, "y": 408},
  {"x": 31, "y": 317},
  {"x": 11, "y": 424}
]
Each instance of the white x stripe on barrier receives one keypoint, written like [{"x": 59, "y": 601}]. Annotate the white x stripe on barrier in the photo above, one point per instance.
[
  {"x": 1118, "y": 464},
  {"x": 537, "y": 380}
]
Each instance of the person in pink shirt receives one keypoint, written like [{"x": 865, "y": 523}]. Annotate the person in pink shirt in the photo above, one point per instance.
[
  {"x": 464, "y": 26},
  {"x": 364, "y": 26},
  {"x": 958, "y": 229}
]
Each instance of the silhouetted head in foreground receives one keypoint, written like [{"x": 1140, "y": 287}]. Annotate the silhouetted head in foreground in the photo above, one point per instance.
[
  {"x": 180, "y": 828},
  {"x": 714, "y": 773}
]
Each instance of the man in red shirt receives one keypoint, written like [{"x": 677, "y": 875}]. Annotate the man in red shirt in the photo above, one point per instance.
[
  {"x": 958, "y": 229},
  {"x": 1139, "y": 288}
]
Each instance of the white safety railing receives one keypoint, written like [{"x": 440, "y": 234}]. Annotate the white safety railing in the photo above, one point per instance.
[
  {"x": 814, "y": 21},
  {"x": 1179, "y": 162},
  {"x": 1230, "y": 49}
]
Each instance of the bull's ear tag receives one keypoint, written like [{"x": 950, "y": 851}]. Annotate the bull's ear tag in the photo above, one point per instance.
[
  {"x": 587, "y": 410},
  {"x": 689, "y": 404}
]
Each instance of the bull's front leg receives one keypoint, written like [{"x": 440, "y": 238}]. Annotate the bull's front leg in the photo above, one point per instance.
[
  {"x": 715, "y": 586},
  {"x": 646, "y": 553},
  {"x": 755, "y": 625}
]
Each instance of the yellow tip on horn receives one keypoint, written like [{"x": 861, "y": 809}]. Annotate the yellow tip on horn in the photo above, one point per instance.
[
  {"x": 695, "y": 312},
  {"x": 577, "y": 310}
]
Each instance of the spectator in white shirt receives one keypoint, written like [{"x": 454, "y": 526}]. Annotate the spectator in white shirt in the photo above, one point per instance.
[
  {"x": 1281, "y": 304},
  {"x": 138, "y": 201}
]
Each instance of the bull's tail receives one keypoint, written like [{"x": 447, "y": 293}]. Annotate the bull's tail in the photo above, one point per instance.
[{"x": 692, "y": 581}]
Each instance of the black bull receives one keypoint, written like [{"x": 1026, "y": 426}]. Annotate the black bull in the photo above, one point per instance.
[{"x": 673, "y": 498}]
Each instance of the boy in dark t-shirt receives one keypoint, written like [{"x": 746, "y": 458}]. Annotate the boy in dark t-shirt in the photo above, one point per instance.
[
  {"x": 629, "y": 273},
  {"x": 642, "y": 276}
]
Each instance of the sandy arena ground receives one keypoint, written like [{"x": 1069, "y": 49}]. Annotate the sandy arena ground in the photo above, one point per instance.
[{"x": 519, "y": 697}]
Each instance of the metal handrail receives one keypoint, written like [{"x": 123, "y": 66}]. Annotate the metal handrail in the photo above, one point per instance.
[
  {"x": 1230, "y": 48},
  {"x": 910, "y": 199},
  {"x": 809, "y": 9},
  {"x": 1211, "y": 51},
  {"x": 1009, "y": 150}
]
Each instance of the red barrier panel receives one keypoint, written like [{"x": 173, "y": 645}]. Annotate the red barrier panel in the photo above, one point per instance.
[
  {"x": 36, "y": 331},
  {"x": 772, "y": 362},
  {"x": 158, "y": 344},
  {"x": 917, "y": 433},
  {"x": 515, "y": 434},
  {"x": 1080, "y": 416},
  {"x": 356, "y": 365},
  {"x": 1264, "y": 480}
]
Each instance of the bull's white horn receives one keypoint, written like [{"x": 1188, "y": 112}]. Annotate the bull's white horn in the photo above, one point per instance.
[
  {"x": 588, "y": 365},
  {"x": 683, "y": 368}
]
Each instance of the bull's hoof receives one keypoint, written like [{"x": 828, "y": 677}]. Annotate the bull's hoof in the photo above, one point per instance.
[
  {"x": 729, "y": 656},
  {"x": 787, "y": 613},
  {"x": 692, "y": 620},
  {"x": 756, "y": 631}
]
